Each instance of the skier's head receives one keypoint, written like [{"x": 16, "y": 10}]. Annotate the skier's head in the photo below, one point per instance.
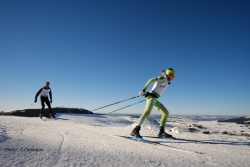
[
  {"x": 47, "y": 84},
  {"x": 170, "y": 73}
]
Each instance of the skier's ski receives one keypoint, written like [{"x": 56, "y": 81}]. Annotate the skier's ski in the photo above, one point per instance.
[
  {"x": 54, "y": 118},
  {"x": 181, "y": 139},
  {"x": 60, "y": 118},
  {"x": 155, "y": 143}
]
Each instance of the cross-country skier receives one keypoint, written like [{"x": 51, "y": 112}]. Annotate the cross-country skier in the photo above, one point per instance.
[
  {"x": 161, "y": 84},
  {"x": 45, "y": 92}
]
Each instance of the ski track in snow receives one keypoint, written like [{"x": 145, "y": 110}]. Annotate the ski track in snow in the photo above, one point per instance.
[
  {"x": 59, "y": 151},
  {"x": 86, "y": 140}
]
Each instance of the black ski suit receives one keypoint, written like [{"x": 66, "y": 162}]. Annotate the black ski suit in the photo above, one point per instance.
[{"x": 44, "y": 97}]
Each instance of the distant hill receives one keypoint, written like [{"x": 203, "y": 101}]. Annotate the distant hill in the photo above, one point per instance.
[
  {"x": 240, "y": 120},
  {"x": 36, "y": 112}
]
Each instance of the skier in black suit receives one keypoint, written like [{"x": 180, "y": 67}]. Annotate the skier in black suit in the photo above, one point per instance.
[{"x": 45, "y": 92}]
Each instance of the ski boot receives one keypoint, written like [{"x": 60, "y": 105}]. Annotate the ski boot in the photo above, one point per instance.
[
  {"x": 51, "y": 115},
  {"x": 163, "y": 134},
  {"x": 135, "y": 133},
  {"x": 41, "y": 116}
]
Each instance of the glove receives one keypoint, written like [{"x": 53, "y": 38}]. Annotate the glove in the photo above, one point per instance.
[
  {"x": 50, "y": 101},
  {"x": 35, "y": 100},
  {"x": 142, "y": 93}
]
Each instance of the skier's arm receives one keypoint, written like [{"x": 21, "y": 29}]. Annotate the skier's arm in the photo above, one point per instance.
[
  {"x": 50, "y": 95},
  {"x": 40, "y": 90},
  {"x": 148, "y": 83},
  {"x": 160, "y": 79}
]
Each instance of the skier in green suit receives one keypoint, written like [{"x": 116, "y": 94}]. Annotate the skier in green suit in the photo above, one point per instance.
[{"x": 161, "y": 84}]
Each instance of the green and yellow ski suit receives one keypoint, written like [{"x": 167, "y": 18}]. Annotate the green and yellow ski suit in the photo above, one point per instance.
[{"x": 161, "y": 84}]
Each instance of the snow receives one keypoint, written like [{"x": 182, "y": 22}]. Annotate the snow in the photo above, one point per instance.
[{"x": 87, "y": 140}]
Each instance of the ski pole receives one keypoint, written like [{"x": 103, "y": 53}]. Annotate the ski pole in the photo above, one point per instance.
[
  {"x": 115, "y": 103},
  {"x": 125, "y": 107}
]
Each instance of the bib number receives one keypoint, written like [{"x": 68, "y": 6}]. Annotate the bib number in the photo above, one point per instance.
[{"x": 45, "y": 94}]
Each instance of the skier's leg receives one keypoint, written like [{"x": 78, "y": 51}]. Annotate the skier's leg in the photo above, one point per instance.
[
  {"x": 49, "y": 106},
  {"x": 150, "y": 102},
  {"x": 42, "y": 104},
  {"x": 158, "y": 106},
  {"x": 163, "y": 120},
  {"x": 149, "y": 105}
]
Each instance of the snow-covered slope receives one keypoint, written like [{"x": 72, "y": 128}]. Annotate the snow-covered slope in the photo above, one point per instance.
[{"x": 86, "y": 140}]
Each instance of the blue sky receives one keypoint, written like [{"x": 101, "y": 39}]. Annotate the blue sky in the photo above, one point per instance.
[{"x": 97, "y": 52}]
